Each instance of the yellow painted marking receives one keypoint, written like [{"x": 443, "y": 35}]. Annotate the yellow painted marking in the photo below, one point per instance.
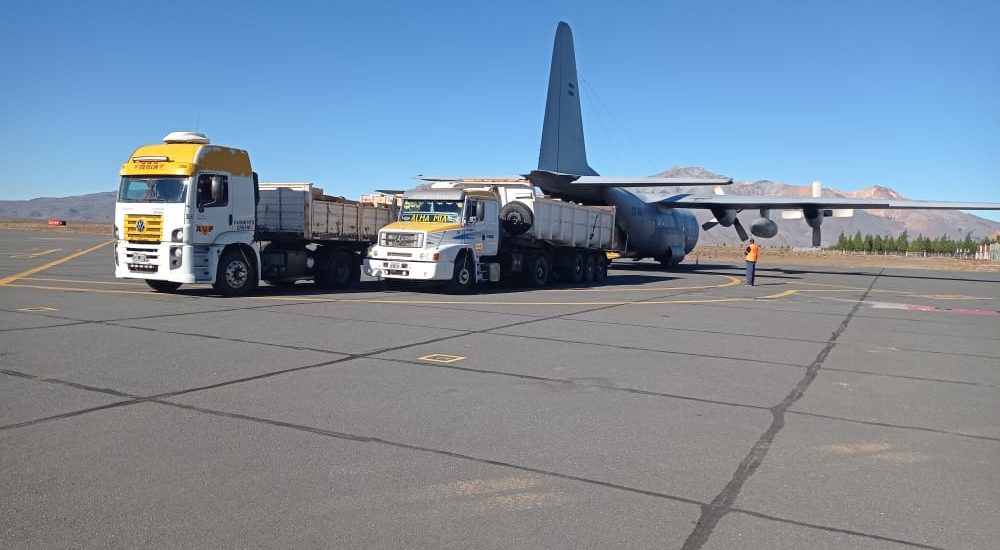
[
  {"x": 733, "y": 281},
  {"x": 783, "y": 294},
  {"x": 441, "y": 358},
  {"x": 25, "y": 255},
  {"x": 37, "y": 309},
  {"x": 71, "y": 289},
  {"x": 43, "y": 267},
  {"x": 83, "y": 281}
]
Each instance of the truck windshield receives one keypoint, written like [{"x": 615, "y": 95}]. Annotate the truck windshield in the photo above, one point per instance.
[
  {"x": 431, "y": 211},
  {"x": 152, "y": 190}
]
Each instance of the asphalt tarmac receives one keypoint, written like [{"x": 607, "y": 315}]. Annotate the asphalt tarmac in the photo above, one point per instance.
[{"x": 822, "y": 408}]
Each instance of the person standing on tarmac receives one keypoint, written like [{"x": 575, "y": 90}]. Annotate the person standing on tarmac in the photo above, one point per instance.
[{"x": 753, "y": 252}]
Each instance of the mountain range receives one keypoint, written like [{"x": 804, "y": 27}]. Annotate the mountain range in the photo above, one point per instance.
[{"x": 100, "y": 207}]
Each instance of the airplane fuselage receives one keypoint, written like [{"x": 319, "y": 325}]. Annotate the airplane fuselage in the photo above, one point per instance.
[{"x": 665, "y": 234}]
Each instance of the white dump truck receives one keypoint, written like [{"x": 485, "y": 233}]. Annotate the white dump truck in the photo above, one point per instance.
[
  {"x": 461, "y": 235},
  {"x": 192, "y": 212}
]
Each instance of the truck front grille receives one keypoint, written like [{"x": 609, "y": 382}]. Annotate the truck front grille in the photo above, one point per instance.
[
  {"x": 143, "y": 228},
  {"x": 400, "y": 240}
]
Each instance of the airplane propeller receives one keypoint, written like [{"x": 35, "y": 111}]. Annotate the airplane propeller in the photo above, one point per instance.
[{"x": 740, "y": 230}]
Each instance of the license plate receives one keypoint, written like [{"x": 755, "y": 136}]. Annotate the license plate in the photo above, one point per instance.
[
  {"x": 137, "y": 257},
  {"x": 395, "y": 265}
]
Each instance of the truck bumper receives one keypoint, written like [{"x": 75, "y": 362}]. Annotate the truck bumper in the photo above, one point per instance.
[
  {"x": 153, "y": 261},
  {"x": 409, "y": 270}
]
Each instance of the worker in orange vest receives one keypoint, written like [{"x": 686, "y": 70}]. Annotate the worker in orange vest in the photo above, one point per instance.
[{"x": 753, "y": 252}]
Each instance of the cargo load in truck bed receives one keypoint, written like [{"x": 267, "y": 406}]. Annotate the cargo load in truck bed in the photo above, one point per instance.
[
  {"x": 568, "y": 224},
  {"x": 293, "y": 211}
]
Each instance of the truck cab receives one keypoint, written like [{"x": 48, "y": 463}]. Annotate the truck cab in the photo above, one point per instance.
[
  {"x": 185, "y": 213},
  {"x": 449, "y": 235}
]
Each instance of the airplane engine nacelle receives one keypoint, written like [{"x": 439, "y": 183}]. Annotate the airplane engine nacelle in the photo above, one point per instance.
[
  {"x": 724, "y": 217},
  {"x": 814, "y": 216},
  {"x": 764, "y": 228}
]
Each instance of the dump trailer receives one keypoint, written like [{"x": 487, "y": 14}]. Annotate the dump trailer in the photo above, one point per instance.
[
  {"x": 192, "y": 212},
  {"x": 459, "y": 236}
]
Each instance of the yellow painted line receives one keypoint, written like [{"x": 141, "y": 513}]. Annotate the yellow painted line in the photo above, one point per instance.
[
  {"x": 71, "y": 289},
  {"x": 441, "y": 358},
  {"x": 10, "y": 279},
  {"x": 783, "y": 294},
  {"x": 25, "y": 255},
  {"x": 82, "y": 281},
  {"x": 733, "y": 281}
]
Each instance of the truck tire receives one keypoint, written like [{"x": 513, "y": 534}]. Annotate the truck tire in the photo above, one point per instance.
[
  {"x": 516, "y": 217},
  {"x": 573, "y": 267},
  {"x": 463, "y": 280},
  {"x": 601, "y": 273},
  {"x": 237, "y": 274},
  {"x": 589, "y": 268},
  {"x": 338, "y": 271},
  {"x": 537, "y": 270},
  {"x": 162, "y": 286}
]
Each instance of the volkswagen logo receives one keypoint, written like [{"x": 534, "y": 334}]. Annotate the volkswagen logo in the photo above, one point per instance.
[{"x": 140, "y": 225}]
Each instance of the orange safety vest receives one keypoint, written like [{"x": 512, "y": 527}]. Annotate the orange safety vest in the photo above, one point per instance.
[{"x": 753, "y": 250}]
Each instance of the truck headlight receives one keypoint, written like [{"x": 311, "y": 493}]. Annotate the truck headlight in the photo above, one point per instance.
[
  {"x": 177, "y": 235},
  {"x": 176, "y": 256},
  {"x": 116, "y": 231}
]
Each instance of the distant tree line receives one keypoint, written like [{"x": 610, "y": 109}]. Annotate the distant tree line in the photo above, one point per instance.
[{"x": 902, "y": 244}]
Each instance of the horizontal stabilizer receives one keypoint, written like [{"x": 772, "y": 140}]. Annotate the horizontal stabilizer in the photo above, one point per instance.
[
  {"x": 471, "y": 179},
  {"x": 614, "y": 181}
]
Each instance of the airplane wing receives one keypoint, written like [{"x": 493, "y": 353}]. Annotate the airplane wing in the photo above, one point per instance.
[
  {"x": 737, "y": 202},
  {"x": 726, "y": 207}
]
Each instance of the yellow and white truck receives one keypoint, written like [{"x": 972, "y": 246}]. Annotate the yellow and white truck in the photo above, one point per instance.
[
  {"x": 192, "y": 212},
  {"x": 462, "y": 234}
]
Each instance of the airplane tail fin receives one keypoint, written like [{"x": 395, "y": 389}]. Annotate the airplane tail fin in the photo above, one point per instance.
[{"x": 563, "y": 150}]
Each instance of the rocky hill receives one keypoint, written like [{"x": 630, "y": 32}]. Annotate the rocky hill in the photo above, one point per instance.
[{"x": 97, "y": 207}]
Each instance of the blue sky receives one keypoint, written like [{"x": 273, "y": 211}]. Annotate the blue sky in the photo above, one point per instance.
[{"x": 362, "y": 95}]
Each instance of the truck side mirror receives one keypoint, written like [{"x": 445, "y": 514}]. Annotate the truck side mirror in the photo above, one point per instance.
[{"x": 480, "y": 210}]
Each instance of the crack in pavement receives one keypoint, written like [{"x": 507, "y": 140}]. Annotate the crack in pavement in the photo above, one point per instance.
[{"x": 712, "y": 513}]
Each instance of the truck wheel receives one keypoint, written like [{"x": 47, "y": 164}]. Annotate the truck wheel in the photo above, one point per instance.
[
  {"x": 575, "y": 268},
  {"x": 589, "y": 268},
  {"x": 338, "y": 271},
  {"x": 464, "y": 277},
  {"x": 516, "y": 217},
  {"x": 237, "y": 275},
  {"x": 537, "y": 270},
  {"x": 601, "y": 272},
  {"x": 162, "y": 286}
]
